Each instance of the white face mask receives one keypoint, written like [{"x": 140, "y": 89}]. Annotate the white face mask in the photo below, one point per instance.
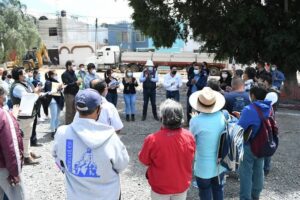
[
  {"x": 196, "y": 71},
  {"x": 129, "y": 74},
  {"x": 82, "y": 69},
  {"x": 74, "y": 68},
  {"x": 55, "y": 77},
  {"x": 150, "y": 68},
  {"x": 224, "y": 75},
  {"x": 273, "y": 68},
  {"x": 94, "y": 71}
]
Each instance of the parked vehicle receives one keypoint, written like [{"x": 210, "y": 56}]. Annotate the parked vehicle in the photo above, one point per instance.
[{"x": 110, "y": 57}]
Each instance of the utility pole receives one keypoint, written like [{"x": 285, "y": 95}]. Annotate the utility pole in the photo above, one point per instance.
[{"x": 96, "y": 31}]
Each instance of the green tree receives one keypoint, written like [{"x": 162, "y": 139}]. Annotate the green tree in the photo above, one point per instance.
[
  {"x": 17, "y": 30},
  {"x": 249, "y": 30}
]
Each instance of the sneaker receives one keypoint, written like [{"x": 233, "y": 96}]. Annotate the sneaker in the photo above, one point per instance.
[
  {"x": 194, "y": 184},
  {"x": 30, "y": 161},
  {"x": 40, "y": 119},
  {"x": 34, "y": 156},
  {"x": 143, "y": 118}
]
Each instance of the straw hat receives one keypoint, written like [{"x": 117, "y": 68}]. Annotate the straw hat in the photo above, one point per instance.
[{"x": 207, "y": 100}]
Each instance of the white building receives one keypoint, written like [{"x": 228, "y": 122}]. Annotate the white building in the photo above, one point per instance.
[{"x": 67, "y": 38}]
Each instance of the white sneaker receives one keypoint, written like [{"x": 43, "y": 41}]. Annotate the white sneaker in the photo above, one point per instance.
[
  {"x": 194, "y": 183},
  {"x": 41, "y": 119}
]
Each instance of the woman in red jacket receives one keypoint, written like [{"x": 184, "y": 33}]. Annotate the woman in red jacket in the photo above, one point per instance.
[{"x": 169, "y": 155}]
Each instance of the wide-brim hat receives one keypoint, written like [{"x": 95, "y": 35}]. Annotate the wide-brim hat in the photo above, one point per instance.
[{"x": 207, "y": 100}]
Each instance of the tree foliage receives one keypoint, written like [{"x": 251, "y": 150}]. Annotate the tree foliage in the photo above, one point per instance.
[
  {"x": 18, "y": 32},
  {"x": 249, "y": 30}
]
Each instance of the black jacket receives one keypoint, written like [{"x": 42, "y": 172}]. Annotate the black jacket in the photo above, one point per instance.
[
  {"x": 59, "y": 99},
  {"x": 129, "y": 88},
  {"x": 69, "y": 78},
  {"x": 201, "y": 83}
]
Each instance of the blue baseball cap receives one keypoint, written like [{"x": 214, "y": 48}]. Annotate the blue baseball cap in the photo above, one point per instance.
[{"x": 87, "y": 100}]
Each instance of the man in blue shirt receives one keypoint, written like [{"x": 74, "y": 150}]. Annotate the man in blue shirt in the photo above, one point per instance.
[
  {"x": 277, "y": 77},
  {"x": 91, "y": 75},
  {"x": 238, "y": 98},
  {"x": 197, "y": 80},
  {"x": 251, "y": 168}
]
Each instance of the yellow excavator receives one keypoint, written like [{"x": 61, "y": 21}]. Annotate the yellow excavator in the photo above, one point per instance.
[{"x": 34, "y": 58}]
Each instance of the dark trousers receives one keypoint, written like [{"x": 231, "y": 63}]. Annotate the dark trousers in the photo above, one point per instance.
[
  {"x": 70, "y": 108},
  {"x": 112, "y": 98},
  {"x": 33, "y": 138},
  {"x": 211, "y": 188},
  {"x": 149, "y": 94},
  {"x": 173, "y": 95},
  {"x": 45, "y": 106}
]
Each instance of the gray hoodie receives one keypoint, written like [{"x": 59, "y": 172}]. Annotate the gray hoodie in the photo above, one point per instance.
[{"x": 91, "y": 155}]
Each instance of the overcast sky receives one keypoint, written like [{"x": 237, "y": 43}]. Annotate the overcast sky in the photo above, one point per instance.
[{"x": 107, "y": 11}]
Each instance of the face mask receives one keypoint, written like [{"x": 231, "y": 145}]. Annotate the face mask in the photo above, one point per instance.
[
  {"x": 38, "y": 77},
  {"x": 273, "y": 68},
  {"x": 196, "y": 71},
  {"x": 174, "y": 72},
  {"x": 74, "y": 68},
  {"x": 30, "y": 79},
  {"x": 93, "y": 71},
  {"x": 224, "y": 75},
  {"x": 55, "y": 77},
  {"x": 129, "y": 74},
  {"x": 82, "y": 69},
  {"x": 150, "y": 68}
]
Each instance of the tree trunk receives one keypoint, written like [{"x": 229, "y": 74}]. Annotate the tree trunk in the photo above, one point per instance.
[{"x": 291, "y": 90}]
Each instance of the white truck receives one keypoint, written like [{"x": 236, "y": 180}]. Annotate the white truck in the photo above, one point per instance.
[{"x": 110, "y": 57}]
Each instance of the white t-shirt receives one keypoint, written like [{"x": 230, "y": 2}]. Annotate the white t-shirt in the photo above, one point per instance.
[
  {"x": 172, "y": 83},
  {"x": 109, "y": 115}
]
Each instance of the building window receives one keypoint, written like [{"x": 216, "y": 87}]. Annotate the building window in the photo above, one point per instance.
[
  {"x": 53, "y": 31},
  {"x": 124, "y": 37},
  {"x": 139, "y": 37}
]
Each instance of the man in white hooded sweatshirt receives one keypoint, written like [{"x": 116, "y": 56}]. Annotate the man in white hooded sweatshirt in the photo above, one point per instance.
[{"x": 90, "y": 153}]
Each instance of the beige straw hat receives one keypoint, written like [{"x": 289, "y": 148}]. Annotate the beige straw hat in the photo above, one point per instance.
[{"x": 207, "y": 100}]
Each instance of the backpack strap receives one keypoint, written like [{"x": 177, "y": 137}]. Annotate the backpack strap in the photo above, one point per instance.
[{"x": 258, "y": 110}]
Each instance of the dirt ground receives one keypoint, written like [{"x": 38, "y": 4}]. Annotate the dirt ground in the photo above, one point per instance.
[{"x": 44, "y": 181}]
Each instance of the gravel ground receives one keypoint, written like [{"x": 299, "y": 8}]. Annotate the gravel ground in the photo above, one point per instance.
[{"x": 44, "y": 181}]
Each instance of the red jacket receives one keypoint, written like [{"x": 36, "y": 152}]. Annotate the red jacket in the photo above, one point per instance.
[
  {"x": 169, "y": 155},
  {"x": 11, "y": 144}
]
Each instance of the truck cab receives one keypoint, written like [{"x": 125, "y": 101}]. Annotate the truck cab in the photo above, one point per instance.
[{"x": 107, "y": 57}]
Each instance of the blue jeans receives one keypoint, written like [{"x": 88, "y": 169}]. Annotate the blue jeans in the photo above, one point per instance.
[
  {"x": 251, "y": 175},
  {"x": 267, "y": 164},
  {"x": 211, "y": 188},
  {"x": 173, "y": 95},
  {"x": 129, "y": 103},
  {"x": 112, "y": 98},
  {"x": 54, "y": 111}
]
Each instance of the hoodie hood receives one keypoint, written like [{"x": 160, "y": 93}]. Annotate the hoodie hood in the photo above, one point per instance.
[
  {"x": 265, "y": 106},
  {"x": 92, "y": 133}
]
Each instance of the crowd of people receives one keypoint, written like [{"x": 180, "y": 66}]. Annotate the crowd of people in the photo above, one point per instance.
[{"x": 89, "y": 152}]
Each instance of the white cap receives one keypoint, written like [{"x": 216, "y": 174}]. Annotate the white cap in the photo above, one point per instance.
[
  {"x": 149, "y": 63},
  {"x": 273, "y": 97}
]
